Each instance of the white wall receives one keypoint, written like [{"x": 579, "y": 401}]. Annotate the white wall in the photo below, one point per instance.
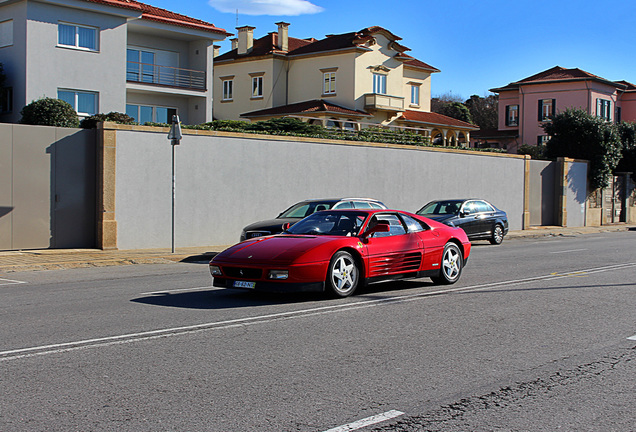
[{"x": 225, "y": 183}]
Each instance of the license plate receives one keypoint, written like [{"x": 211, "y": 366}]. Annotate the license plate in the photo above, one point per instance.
[
  {"x": 256, "y": 235},
  {"x": 244, "y": 284}
]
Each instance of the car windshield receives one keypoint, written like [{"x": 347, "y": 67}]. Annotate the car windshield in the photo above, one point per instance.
[
  {"x": 304, "y": 209},
  {"x": 337, "y": 223},
  {"x": 441, "y": 208}
]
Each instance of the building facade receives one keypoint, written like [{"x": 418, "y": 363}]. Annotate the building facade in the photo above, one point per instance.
[
  {"x": 526, "y": 104},
  {"x": 349, "y": 81},
  {"x": 107, "y": 55}
]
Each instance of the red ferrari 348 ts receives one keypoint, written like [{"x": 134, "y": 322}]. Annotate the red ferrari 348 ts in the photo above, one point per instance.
[{"x": 338, "y": 250}]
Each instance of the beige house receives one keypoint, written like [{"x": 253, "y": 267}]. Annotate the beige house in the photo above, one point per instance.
[{"x": 349, "y": 81}]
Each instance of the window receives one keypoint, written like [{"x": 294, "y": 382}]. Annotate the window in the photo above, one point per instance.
[
  {"x": 228, "y": 86},
  {"x": 512, "y": 115},
  {"x": 6, "y": 100},
  {"x": 329, "y": 83},
  {"x": 76, "y": 36},
  {"x": 543, "y": 140},
  {"x": 83, "y": 102},
  {"x": 257, "y": 86},
  {"x": 395, "y": 225},
  {"x": 415, "y": 94},
  {"x": 379, "y": 83},
  {"x": 547, "y": 108},
  {"x": 150, "y": 114},
  {"x": 140, "y": 66},
  {"x": 604, "y": 109},
  {"x": 6, "y": 33},
  {"x": 412, "y": 225}
]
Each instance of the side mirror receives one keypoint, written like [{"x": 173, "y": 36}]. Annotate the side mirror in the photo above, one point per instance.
[
  {"x": 464, "y": 213},
  {"x": 287, "y": 225},
  {"x": 381, "y": 227}
]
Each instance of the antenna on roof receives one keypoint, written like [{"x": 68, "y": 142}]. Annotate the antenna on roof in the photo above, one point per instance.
[{"x": 237, "y": 17}]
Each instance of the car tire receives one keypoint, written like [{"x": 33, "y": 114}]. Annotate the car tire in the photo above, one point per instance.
[
  {"x": 497, "y": 235},
  {"x": 343, "y": 275},
  {"x": 451, "y": 265}
]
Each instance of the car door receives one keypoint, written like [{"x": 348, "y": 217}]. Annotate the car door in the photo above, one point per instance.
[
  {"x": 394, "y": 252},
  {"x": 485, "y": 217},
  {"x": 468, "y": 218}
]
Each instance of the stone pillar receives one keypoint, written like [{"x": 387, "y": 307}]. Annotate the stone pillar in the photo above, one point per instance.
[{"x": 106, "y": 160}]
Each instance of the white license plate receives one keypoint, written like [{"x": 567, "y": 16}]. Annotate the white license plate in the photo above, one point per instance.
[{"x": 244, "y": 284}]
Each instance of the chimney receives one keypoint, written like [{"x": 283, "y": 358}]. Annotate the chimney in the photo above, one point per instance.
[
  {"x": 283, "y": 38},
  {"x": 217, "y": 50},
  {"x": 234, "y": 43},
  {"x": 245, "y": 39}
]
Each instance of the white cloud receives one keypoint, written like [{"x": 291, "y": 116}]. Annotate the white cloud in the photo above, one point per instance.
[{"x": 266, "y": 7}]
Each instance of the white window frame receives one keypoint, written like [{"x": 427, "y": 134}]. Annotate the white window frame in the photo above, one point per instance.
[
  {"x": 75, "y": 103},
  {"x": 379, "y": 83},
  {"x": 6, "y": 33},
  {"x": 329, "y": 83},
  {"x": 257, "y": 87},
  {"x": 415, "y": 94},
  {"x": 512, "y": 115},
  {"x": 228, "y": 89},
  {"x": 604, "y": 109},
  {"x": 76, "y": 44}
]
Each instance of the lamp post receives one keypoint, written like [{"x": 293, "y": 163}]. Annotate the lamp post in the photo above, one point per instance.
[{"x": 175, "y": 139}]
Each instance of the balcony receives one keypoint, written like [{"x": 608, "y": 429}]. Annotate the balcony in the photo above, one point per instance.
[
  {"x": 168, "y": 76},
  {"x": 382, "y": 102}
]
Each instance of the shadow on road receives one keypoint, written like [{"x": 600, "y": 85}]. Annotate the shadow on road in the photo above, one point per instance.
[{"x": 234, "y": 298}]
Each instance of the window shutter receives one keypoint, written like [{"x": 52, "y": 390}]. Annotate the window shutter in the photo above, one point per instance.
[
  {"x": 507, "y": 115},
  {"x": 540, "y": 110},
  {"x": 553, "y": 107}
]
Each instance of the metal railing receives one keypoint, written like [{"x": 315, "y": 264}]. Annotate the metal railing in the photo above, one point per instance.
[{"x": 147, "y": 73}]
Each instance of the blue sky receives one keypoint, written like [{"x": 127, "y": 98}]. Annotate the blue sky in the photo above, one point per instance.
[{"x": 477, "y": 44}]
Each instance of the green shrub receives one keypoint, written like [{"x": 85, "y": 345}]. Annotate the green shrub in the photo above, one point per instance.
[
  {"x": 117, "y": 117},
  {"x": 535, "y": 151},
  {"x": 49, "y": 112}
]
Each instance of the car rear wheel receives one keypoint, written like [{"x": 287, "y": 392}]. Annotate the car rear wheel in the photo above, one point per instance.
[
  {"x": 343, "y": 275},
  {"x": 451, "y": 265},
  {"x": 497, "y": 235}
]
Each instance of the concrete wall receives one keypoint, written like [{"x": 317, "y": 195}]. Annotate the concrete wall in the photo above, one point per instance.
[
  {"x": 576, "y": 178},
  {"x": 226, "y": 181}
]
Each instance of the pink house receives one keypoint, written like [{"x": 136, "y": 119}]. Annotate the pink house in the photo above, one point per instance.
[{"x": 524, "y": 105}]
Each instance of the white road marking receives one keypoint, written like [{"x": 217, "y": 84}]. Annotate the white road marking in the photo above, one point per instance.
[
  {"x": 261, "y": 319},
  {"x": 209, "y": 288},
  {"x": 632, "y": 338},
  {"x": 568, "y": 251},
  {"x": 10, "y": 282},
  {"x": 367, "y": 421}
]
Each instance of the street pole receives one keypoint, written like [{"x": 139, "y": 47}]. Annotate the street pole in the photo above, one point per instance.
[{"x": 175, "y": 139}]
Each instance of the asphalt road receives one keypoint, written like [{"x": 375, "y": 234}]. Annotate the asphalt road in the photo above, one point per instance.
[{"x": 535, "y": 336}]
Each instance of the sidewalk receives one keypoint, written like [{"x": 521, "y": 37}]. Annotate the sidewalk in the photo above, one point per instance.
[{"x": 55, "y": 259}]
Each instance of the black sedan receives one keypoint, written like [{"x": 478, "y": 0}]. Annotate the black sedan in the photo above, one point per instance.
[
  {"x": 480, "y": 219},
  {"x": 303, "y": 209}
]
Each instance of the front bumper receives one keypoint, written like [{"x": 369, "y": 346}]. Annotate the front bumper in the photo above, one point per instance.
[{"x": 275, "y": 287}]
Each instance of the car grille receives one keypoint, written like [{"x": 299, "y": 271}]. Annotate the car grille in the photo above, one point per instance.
[
  {"x": 252, "y": 234},
  {"x": 243, "y": 272}
]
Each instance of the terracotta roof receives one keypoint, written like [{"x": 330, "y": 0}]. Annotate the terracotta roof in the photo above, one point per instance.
[
  {"x": 153, "y": 13},
  {"x": 267, "y": 45},
  {"x": 434, "y": 119},
  {"x": 306, "y": 107},
  {"x": 555, "y": 74},
  {"x": 629, "y": 87},
  {"x": 264, "y": 46}
]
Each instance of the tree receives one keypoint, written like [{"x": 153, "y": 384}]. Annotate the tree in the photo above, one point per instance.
[
  {"x": 577, "y": 134},
  {"x": 484, "y": 110},
  {"x": 438, "y": 102},
  {"x": 456, "y": 110},
  {"x": 627, "y": 132},
  {"x": 49, "y": 112}
]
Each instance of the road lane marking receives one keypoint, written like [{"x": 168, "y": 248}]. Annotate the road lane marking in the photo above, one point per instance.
[
  {"x": 10, "y": 282},
  {"x": 568, "y": 251},
  {"x": 262, "y": 319},
  {"x": 367, "y": 421}
]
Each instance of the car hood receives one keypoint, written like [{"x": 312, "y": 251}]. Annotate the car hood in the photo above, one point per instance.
[
  {"x": 273, "y": 225},
  {"x": 284, "y": 248}
]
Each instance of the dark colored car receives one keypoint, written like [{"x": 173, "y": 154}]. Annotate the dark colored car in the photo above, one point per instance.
[
  {"x": 338, "y": 250},
  {"x": 480, "y": 219},
  {"x": 303, "y": 209}
]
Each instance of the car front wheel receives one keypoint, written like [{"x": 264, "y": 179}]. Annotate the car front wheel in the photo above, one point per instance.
[
  {"x": 497, "y": 235},
  {"x": 343, "y": 275},
  {"x": 451, "y": 265}
]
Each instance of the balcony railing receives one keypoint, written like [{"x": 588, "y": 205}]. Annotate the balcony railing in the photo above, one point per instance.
[
  {"x": 383, "y": 102},
  {"x": 147, "y": 73}
]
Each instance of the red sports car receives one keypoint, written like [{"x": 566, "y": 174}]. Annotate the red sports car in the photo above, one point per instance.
[{"x": 337, "y": 250}]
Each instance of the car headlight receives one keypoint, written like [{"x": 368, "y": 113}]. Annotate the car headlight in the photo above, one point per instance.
[
  {"x": 215, "y": 270},
  {"x": 278, "y": 274}
]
